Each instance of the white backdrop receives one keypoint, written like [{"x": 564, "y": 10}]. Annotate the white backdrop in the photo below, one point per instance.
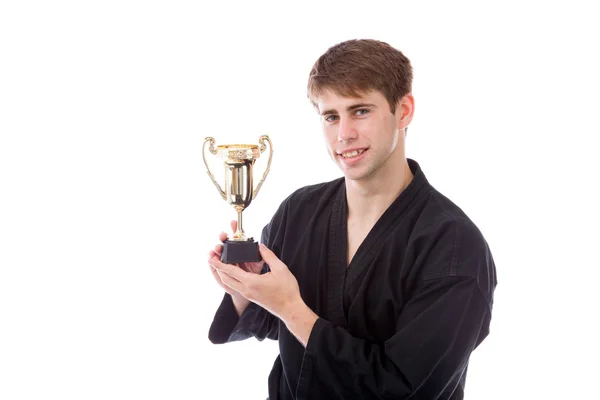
[{"x": 107, "y": 213}]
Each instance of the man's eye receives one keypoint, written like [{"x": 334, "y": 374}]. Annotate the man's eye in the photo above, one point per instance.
[
  {"x": 330, "y": 118},
  {"x": 362, "y": 111}
]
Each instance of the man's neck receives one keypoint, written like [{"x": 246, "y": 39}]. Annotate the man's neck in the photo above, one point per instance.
[{"x": 368, "y": 199}]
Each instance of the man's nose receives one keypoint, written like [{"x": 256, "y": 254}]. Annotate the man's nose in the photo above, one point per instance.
[{"x": 346, "y": 130}]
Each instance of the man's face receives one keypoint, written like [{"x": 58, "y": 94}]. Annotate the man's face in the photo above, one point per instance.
[{"x": 361, "y": 133}]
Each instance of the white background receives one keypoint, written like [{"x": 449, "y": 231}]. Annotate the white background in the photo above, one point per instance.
[{"x": 107, "y": 212}]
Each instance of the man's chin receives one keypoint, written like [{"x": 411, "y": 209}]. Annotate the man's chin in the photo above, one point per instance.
[{"x": 354, "y": 174}]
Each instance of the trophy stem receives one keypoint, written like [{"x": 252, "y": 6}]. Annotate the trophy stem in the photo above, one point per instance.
[{"x": 239, "y": 233}]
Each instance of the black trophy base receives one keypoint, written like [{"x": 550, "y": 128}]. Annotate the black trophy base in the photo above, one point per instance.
[{"x": 240, "y": 251}]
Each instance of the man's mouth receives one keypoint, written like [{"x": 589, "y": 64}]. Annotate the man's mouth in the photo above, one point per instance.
[{"x": 353, "y": 153}]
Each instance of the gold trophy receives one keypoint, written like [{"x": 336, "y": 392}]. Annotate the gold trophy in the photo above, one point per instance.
[{"x": 239, "y": 191}]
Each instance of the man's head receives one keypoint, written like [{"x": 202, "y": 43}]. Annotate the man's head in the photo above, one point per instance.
[{"x": 362, "y": 90}]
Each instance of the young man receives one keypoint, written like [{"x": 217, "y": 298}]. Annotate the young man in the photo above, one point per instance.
[{"x": 375, "y": 285}]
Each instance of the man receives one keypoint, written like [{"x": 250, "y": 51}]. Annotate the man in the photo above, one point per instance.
[{"x": 375, "y": 285}]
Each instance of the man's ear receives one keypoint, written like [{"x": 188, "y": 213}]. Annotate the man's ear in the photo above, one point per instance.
[{"x": 405, "y": 111}]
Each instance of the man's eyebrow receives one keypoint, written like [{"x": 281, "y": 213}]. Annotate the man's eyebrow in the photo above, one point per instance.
[{"x": 349, "y": 108}]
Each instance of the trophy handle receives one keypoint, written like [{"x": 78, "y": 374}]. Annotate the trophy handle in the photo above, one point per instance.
[
  {"x": 212, "y": 149},
  {"x": 263, "y": 147}
]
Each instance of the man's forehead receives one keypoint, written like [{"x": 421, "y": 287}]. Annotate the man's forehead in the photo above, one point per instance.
[{"x": 330, "y": 99}]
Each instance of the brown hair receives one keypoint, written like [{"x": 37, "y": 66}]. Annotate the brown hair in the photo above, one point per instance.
[{"x": 359, "y": 65}]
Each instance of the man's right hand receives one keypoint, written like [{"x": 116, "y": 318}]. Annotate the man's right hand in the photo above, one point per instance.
[{"x": 239, "y": 301}]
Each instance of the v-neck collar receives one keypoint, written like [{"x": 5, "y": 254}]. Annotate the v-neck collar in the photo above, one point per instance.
[{"x": 342, "y": 275}]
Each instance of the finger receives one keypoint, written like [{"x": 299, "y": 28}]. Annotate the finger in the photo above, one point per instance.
[
  {"x": 217, "y": 277},
  {"x": 233, "y": 225},
  {"x": 222, "y": 236},
  {"x": 231, "y": 270},
  {"x": 269, "y": 257},
  {"x": 215, "y": 274},
  {"x": 231, "y": 283},
  {"x": 218, "y": 250},
  {"x": 213, "y": 271}
]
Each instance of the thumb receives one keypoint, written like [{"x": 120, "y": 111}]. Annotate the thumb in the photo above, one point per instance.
[{"x": 269, "y": 257}]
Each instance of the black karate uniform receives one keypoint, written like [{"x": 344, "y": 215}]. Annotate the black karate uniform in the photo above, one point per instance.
[{"x": 399, "y": 322}]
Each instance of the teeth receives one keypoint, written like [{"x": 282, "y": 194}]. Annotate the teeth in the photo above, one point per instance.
[{"x": 352, "y": 153}]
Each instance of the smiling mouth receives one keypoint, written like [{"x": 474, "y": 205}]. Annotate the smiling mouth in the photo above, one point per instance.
[{"x": 350, "y": 154}]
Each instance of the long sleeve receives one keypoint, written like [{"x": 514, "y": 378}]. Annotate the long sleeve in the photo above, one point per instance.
[
  {"x": 255, "y": 321},
  {"x": 442, "y": 324}
]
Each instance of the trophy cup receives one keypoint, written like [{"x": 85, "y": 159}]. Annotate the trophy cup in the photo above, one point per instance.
[{"x": 239, "y": 191}]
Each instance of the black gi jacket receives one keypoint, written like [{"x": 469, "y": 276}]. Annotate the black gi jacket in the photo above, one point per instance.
[{"x": 399, "y": 322}]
